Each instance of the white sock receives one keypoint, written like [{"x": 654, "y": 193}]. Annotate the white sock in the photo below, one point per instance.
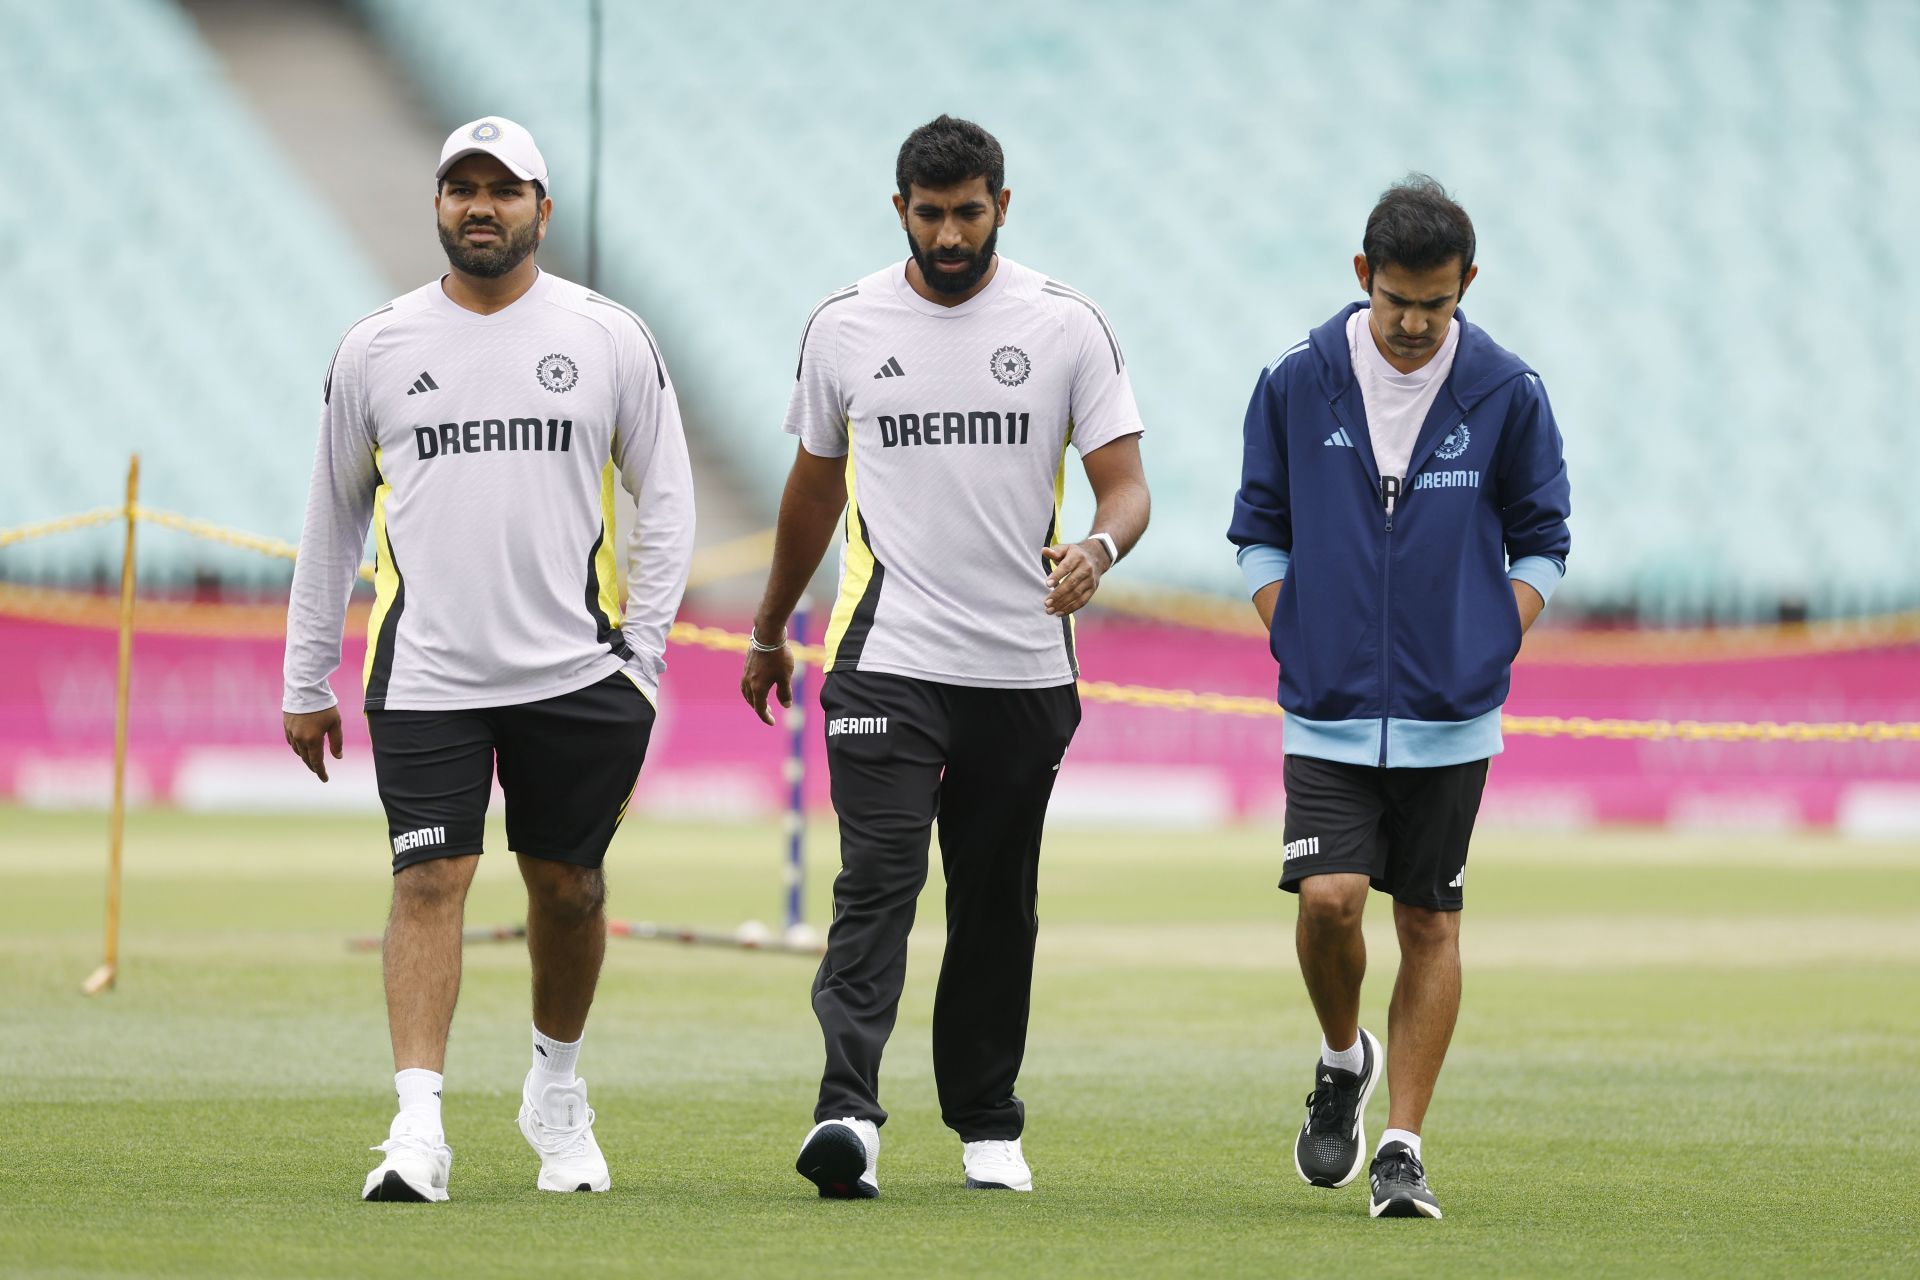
[
  {"x": 1351, "y": 1058},
  {"x": 419, "y": 1091},
  {"x": 553, "y": 1059},
  {"x": 1401, "y": 1135}
]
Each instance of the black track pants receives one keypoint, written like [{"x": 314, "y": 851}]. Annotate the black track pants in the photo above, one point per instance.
[{"x": 903, "y": 752}]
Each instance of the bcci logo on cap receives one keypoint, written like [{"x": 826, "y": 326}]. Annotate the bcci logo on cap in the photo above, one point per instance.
[
  {"x": 1455, "y": 444},
  {"x": 485, "y": 131},
  {"x": 1011, "y": 366},
  {"x": 558, "y": 373}
]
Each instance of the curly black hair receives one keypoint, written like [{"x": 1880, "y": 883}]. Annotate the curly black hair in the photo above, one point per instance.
[{"x": 947, "y": 151}]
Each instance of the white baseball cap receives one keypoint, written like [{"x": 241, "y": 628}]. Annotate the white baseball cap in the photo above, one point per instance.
[{"x": 500, "y": 138}]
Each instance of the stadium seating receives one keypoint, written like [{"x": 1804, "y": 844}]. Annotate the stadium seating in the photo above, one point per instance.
[
  {"x": 173, "y": 289},
  {"x": 1690, "y": 221}
]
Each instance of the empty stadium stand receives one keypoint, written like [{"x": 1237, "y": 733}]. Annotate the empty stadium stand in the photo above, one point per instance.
[
  {"x": 172, "y": 288},
  {"x": 1693, "y": 223}
]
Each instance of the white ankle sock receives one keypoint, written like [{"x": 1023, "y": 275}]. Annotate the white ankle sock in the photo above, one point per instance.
[
  {"x": 1349, "y": 1059},
  {"x": 1401, "y": 1135},
  {"x": 554, "y": 1059},
  {"x": 419, "y": 1091}
]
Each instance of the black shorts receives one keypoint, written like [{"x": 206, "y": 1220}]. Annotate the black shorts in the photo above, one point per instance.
[
  {"x": 567, "y": 769},
  {"x": 1405, "y": 829}
]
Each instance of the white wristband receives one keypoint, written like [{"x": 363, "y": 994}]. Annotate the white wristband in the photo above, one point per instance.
[{"x": 1106, "y": 540}]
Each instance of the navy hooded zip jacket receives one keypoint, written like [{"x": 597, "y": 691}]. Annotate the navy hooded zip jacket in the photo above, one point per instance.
[{"x": 1396, "y": 634}]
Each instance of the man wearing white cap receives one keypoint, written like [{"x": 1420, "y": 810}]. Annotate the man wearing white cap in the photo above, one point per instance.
[{"x": 479, "y": 425}]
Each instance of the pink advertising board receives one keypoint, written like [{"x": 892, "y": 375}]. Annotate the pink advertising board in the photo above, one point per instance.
[{"x": 205, "y": 733}]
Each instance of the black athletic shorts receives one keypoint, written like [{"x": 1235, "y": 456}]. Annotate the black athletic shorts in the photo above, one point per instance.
[
  {"x": 1406, "y": 829},
  {"x": 567, "y": 769}
]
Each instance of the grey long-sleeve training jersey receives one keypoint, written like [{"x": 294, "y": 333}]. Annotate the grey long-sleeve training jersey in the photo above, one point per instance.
[{"x": 484, "y": 450}]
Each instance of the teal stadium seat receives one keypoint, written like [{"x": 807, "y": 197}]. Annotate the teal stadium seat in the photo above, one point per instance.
[{"x": 175, "y": 291}]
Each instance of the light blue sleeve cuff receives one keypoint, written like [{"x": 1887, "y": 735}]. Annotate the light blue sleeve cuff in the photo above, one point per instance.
[
  {"x": 1542, "y": 573},
  {"x": 1261, "y": 565}
]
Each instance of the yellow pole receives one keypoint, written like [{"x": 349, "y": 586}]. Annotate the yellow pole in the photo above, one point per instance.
[{"x": 103, "y": 978}]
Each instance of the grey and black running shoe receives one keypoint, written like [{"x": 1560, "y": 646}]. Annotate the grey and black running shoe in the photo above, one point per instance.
[
  {"x": 1400, "y": 1185},
  {"x": 1333, "y": 1140}
]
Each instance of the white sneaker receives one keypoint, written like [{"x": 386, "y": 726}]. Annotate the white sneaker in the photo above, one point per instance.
[
  {"x": 418, "y": 1161},
  {"x": 559, "y": 1125},
  {"x": 840, "y": 1156},
  {"x": 996, "y": 1166}
]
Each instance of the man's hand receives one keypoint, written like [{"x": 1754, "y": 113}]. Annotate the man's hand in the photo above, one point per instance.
[
  {"x": 1077, "y": 567},
  {"x": 307, "y": 730},
  {"x": 810, "y": 509},
  {"x": 767, "y": 670}
]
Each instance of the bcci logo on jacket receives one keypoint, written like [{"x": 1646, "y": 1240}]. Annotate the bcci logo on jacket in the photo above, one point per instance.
[
  {"x": 1455, "y": 444},
  {"x": 557, "y": 373}
]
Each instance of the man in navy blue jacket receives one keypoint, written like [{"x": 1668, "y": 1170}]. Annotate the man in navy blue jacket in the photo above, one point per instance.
[{"x": 1402, "y": 520}]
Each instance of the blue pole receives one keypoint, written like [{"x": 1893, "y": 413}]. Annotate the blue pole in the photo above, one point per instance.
[{"x": 796, "y": 774}]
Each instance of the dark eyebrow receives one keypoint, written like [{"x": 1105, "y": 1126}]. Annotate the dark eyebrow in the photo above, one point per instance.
[
  {"x": 925, "y": 209},
  {"x": 1399, "y": 301}
]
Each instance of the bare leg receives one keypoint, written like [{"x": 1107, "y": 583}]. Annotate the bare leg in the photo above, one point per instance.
[
  {"x": 421, "y": 958},
  {"x": 1426, "y": 1000},
  {"x": 1333, "y": 954},
  {"x": 566, "y": 939}
]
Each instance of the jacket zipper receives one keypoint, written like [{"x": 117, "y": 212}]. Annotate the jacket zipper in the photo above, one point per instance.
[{"x": 1389, "y": 495}]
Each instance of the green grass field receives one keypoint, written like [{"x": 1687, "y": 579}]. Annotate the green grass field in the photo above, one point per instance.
[{"x": 1678, "y": 1055}]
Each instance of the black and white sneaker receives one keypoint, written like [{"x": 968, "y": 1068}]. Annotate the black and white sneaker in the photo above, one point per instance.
[
  {"x": 1333, "y": 1140},
  {"x": 417, "y": 1162},
  {"x": 996, "y": 1165},
  {"x": 840, "y": 1157},
  {"x": 1400, "y": 1185}
]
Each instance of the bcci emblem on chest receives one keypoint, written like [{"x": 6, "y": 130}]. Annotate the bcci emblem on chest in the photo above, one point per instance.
[
  {"x": 1011, "y": 366},
  {"x": 558, "y": 373}
]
